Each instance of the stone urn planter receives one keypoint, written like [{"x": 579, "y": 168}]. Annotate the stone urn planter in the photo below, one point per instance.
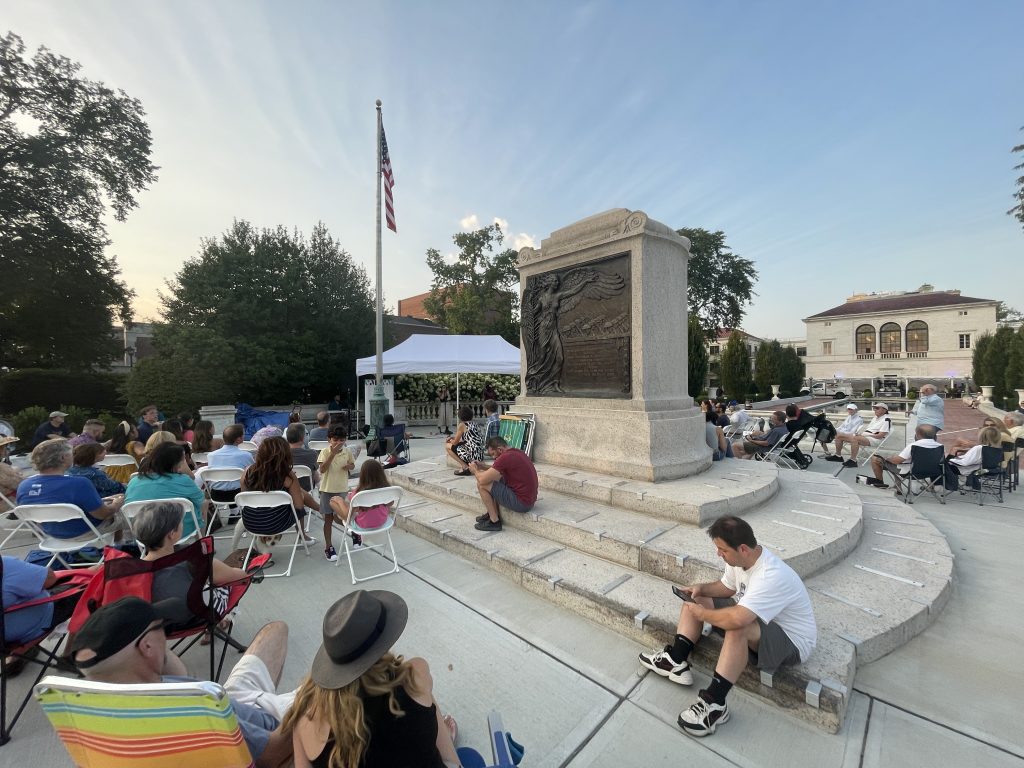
[
  {"x": 775, "y": 391},
  {"x": 986, "y": 394},
  {"x": 1020, "y": 398}
]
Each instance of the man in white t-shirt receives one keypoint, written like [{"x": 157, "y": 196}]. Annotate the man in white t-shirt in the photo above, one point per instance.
[
  {"x": 924, "y": 437},
  {"x": 876, "y": 431},
  {"x": 850, "y": 427},
  {"x": 760, "y": 605}
]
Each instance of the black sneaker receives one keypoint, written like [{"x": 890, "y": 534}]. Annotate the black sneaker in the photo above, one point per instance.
[
  {"x": 703, "y": 717},
  {"x": 871, "y": 481},
  {"x": 663, "y": 664},
  {"x": 833, "y": 457},
  {"x": 487, "y": 525},
  {"x": 481, "y": 518},
  {"x": 850, "y": 463}
]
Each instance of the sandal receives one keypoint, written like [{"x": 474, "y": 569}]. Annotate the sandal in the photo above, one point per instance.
[{"x": 453, "y": 727}]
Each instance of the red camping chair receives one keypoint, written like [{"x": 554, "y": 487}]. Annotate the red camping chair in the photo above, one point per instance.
[
  {"x": 71, "y": 584},
  {"x": 123, "y": 575}
]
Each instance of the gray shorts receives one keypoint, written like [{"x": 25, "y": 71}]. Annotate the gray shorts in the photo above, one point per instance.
[
  {"x": 774, "y": 650},
  {"x": 504, "y": 497}
]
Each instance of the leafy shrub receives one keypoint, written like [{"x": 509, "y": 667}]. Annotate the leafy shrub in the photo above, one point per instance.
[
  {"x": 175, "y": 387},
  {"x": 422, "y": 387},
  {"x": 25, "y": 422},
  {"x": 48, "y": 388},
  {"x": 911, "y": 394},
  {"x": 866, "y": 393}
]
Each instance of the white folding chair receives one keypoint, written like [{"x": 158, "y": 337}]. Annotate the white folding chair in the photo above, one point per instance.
[
  {"x": 248, "y": 445},
  {"x": 865, "y": 454},
  {"x": 261, "y": 516},
  {"x": 205, "y": 477},
  {"x": 319, "y": 445},
  {"x": 302, "y": 471},
  {"x": 131, "y": 509},
  {"x": 116, "y": 460},
  {"x": 365, "y": 499},
  {"x": 35, "y": 515},
  {"x": 200, "y": 458},
  {"x": 10, "y": 522}
]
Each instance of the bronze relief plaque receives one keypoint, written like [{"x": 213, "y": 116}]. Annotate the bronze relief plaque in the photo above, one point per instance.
[{"x": 577, "y": 330}]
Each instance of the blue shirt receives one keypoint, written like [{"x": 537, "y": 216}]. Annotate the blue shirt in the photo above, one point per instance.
[
  {"x": 174, "y": 486},
  {"x": 145, "y": 431},
  {"x": 229, "y": 456},
  {"x": 22, "y": 582},
  {"x": 60, "y": 489},
  {"x": 930, "y": 409},
  {"x": 102, "y": 482},
  {"x": 44, "y": 430},
  {"x": 493, "y": 427}
]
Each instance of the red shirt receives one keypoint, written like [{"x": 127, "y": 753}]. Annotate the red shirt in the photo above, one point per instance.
[{"x": 518, "y": 473}]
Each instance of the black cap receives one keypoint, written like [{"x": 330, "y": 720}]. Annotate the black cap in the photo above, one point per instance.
[{"x": 118, "y": 624}]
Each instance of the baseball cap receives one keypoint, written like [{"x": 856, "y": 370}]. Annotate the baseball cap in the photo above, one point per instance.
[
  {"x": 881, "y": 405},
  {"x": 851, "y": 407},
  {"x": 119, "y": 624},
  {"x": 55, "y": 414}
]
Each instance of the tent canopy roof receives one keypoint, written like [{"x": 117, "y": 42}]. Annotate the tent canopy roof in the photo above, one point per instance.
[{"x": 426, "y": 353}]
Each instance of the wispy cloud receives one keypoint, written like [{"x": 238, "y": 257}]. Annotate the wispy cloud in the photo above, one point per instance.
[
  {"x": 523, "y": 240},
  {"x": 472, "y": 221}
]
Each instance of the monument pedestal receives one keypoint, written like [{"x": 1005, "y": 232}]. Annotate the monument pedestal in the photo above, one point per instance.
[{"x": 604, "y": 349}]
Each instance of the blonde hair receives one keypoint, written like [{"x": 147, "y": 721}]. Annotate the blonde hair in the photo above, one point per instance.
[
  {"x": 990, "y": 436},
  {"x": 158, "y": 437},
  {"x": 342, "y": 708}
]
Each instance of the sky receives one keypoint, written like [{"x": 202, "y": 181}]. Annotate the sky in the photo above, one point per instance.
[{"x": 843, "y": 147}]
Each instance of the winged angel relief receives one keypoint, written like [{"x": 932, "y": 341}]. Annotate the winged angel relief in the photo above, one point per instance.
[{"x": 547, "y": 298}]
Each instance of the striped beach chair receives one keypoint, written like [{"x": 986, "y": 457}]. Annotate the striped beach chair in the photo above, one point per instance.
[
  {"x": 517, "y": 430},
  {"x": 163, "y": 725}
]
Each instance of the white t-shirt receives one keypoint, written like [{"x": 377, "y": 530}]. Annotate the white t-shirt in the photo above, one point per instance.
[
  {"x": 969, "y": 461},
  {"x": 926, "y": 442},
  {"x": 773, "y": 592},
  {"x": 740, "y": 418},
  {"x": 851, "y": 425},
  {"x": 879, "y": 425}
]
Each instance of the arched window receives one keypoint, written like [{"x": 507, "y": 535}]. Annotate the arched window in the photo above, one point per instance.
[
  {"x": 917, "y": 336},
  {"x": 866, "y": 340},
  {"x": 889, "y": 339}
]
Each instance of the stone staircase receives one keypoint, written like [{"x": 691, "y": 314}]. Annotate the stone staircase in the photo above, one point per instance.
[{"x": 878, "y": 572}]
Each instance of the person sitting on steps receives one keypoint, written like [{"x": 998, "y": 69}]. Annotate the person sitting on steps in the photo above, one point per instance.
[
  {"x": 464, "y": 445},
  {"x": 511, "y": 481}
]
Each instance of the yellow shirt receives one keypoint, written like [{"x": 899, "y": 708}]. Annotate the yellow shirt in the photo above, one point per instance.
[{"x": 335, "y": 480}]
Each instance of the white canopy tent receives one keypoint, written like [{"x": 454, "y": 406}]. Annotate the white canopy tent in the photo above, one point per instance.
[{"x": 424, "y": 353}]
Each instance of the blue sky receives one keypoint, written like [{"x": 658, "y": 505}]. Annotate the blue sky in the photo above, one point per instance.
[{"x": 842, "y": 146}]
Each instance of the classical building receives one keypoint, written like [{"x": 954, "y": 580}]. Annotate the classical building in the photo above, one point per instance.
[
  {"x": 136, "y": 341},
  {"x": 715, "y": 348},
  {"x": 916, "y": 335}
]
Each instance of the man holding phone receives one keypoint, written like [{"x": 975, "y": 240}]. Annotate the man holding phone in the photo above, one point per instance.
[{"x": 760, "y": 605}]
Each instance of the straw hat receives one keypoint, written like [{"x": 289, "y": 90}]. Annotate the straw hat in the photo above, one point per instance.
[
  {"x": 358, "y": 630},
  {"x": 7, "y": 440}
]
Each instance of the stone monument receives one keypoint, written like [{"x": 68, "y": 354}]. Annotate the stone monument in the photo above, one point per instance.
[{"x": 604, "y": 353}]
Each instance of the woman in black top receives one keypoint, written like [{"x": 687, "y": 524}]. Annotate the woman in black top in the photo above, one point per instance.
[{"x": 362, "y": 706}]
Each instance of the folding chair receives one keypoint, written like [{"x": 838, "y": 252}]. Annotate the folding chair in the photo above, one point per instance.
[
  {"x": 10, "y": 523},
  {"x": 866, "y": 454},
  {"x": 319, "y": 445},
  {"x": 987, "y": 481},
  {"x": 366, "y": 499},
  {"x": 131, "y": 509},
  {"x": 36, "y": 515},
  {"x": 32, "y": 650},
  {"x": 248, "y": 445},
  {"x": 786, "y": 453},
  {"x": 159, "y": 725},
  {"x": 517, "y": 430},
  {"x": 269, "y": 513},
  {"x": 505, "y": 751},
  {"x": 206, "y": 476},
  {"x": 302, "y": 472},
  {"x": 927, "y": 468},
  {"x": 116, "y": 460},
  {"x": 200, "y": 458}
]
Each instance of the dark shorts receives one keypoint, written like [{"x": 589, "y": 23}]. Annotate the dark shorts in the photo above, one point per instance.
[
  {"x": 504, "y": 497},
  {"x": 749, "y": 447},
  {"x": 774, "y": 650},
  {"x": 224, "y": 496}
]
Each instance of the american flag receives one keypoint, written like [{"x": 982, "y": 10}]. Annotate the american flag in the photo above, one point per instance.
[{"x": 389, "y": 181}]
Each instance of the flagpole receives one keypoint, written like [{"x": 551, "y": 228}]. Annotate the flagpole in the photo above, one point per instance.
[{"x": 378, "y": 405}]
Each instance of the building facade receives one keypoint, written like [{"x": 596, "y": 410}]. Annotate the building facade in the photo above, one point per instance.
[{"x": 916, "y": 335}]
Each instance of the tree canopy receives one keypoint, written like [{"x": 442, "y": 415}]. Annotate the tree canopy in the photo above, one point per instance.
[
  {"x": 262, "y": 316},
  {"x": 768, "y": 366},
  {"x": 791, "y": 371},
  {"x": 735, "y": 372},
  {"x": 1018, "y": 210},
  {"x": 69, "y": 147},
  {"x": 697, "y": 356},
  {"x": 477, "y": 293},
  {"x": 720, "y": 282}
]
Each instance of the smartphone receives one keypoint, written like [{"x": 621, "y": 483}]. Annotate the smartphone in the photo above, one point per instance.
[{"x": 682, "y": 595}]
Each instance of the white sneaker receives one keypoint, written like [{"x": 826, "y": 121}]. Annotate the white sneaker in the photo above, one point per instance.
[
  {"x": 703, "y": 717},
  {"x": 662, "y": 663}
]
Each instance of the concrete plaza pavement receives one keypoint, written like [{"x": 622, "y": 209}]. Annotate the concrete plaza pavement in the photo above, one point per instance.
[{"x": 572, "y": 692}]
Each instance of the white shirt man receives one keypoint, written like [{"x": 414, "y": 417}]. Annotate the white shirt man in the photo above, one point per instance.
[
  {"x": 900, "y": 463},
  {"x": 853, "y": 423},
  {"x": 873, "y": 435}
]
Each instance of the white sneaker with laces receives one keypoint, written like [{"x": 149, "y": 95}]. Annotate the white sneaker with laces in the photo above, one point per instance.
[
  {"x": 703, "y": 717},
  {"x": 662, "y": 663}
]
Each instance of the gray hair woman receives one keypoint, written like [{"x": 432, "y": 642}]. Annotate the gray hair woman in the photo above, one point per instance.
[{"x": 52, "y": 454}]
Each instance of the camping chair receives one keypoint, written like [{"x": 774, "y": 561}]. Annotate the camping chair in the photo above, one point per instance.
[
  {"x": 987, "y": 481},
  {"x": 390, "y": 441},
  {"x": 35, "y": 515},
  {"x": 123, "y": 575},
  {"x": 206, "y": 476},
  {"x": 269, "y": 513},
  {"x": 505, "y": 751},
  {"x": 517, "y": 430},
  {"x": 32, "y": 650},
  {"x": 366, "y": 499},
  {"x": 786, "y": 454},
  {"x": 156, "y": 725},
  {"x": 824, "y": 432},
  {"x": 131, "y": 509},
  {"x": 927, "y": 467}
]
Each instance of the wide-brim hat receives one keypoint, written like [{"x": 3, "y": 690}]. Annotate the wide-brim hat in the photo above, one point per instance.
[
  {"x": 358, "y": 629},
  {"x": 7, "y": 440}
]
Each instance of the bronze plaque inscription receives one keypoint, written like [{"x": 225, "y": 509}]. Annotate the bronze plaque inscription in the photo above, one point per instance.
[{"x": 576, "y": 330}]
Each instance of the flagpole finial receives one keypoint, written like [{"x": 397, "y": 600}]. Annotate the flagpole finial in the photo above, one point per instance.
[{"x": 378, "y": 103}]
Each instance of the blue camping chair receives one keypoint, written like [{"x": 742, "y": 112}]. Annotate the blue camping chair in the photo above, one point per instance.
[{"x": 505, "y": 752}]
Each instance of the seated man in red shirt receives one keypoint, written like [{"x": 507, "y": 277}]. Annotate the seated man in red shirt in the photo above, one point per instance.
[{"x": 511, "y": 481}]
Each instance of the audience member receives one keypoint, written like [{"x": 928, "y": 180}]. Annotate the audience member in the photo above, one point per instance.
[
  {"x": 715, "y": 437},
  {"x": 166, "y": 475},
  {"x": 930, "y": 408},
  {"x": 53, "y": 427},
  {"x": 92, "y": 432},
  {"x": 148, "y": 422},
  {"x": 738, "y": 415},
  {"x": 760, "y": 442},
  {"x": 510, "y": 482},
  {"x": 125, "y": 642},
  {"x": 51, "y": 459},
  {"x": 24, "y": 582},
  {"x": 970, "y": 461},
  {"x": 371, "y": 477},
  {"x": 899, "y": 465},
  {"x": 10, "y": 478},
  {"x": 797, "y": 418},
  {"x": 464, "y": 446},
  {"x": 320, "y": 431},
  {"x": 203, "y": 440},
  {"x": 229, "y": 455},
  {"x": 760, "y": 605},
  {"x": 399, "y": 441},
  {"x": 851, "y": 425},
  {"x": 335, "y": 462},
  {"x": 362, "y": 705},
  {"x": 85, "y": 457},
  {"x": 489, "y": 393},
  {"x": 272, "y": 471},
  {"x": 721, "y": 417},
  {"x": 125, "y": 443},
  {"x": 302, "y": 456},
  {"x": 188, "y": 423},
  {"x": 493, "y": 420},
  {"x": 271, "y": 430},
  {"x": 874, "y": 433}
]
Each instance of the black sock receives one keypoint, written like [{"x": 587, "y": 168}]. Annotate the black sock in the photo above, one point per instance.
[
  {"x": 718, "y": 690},
  {"x": 681, "y": 649}
]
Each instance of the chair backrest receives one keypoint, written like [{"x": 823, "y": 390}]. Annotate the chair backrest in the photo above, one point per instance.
[
  {"x": 51, "y": 513},
  {"x": 319, "y": 445},
  {"x": 258, "y": 499},
  {"x": 991, "y": 457},
  {"x": 266, "y": 513},
  {"x": 131, "y": 509},
  {"x": 301, "y": 471},
  {"x": 248, "y": 445},
  {"x": 159, "y": 725},
  {"x": 517, "y": 430},
  {"x": 200, "y": 457},
  {"x": 926, "y": 462},
  {"x": 219, "y": 474},
  {"x": 396, "y": 431},
  {"x": 116, "y": 460},
  {"x": 377, "y": 496}
]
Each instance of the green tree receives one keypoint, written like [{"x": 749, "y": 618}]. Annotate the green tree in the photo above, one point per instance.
[
  {"x": 997, "y": 359},
  {"x": 477, "y": 293},
  {"x": 697, "y": 356},
  {"x": 735, "y": 372},
  {"x": 1006, "y": 313},
  {"x": 69, "y": 148},
  {"x": 791, "y": 371},
  {"x": 1018, "y": 210},
  {"x": 265, "y": 316},
  {"x": 720, "y": 283},
  {"x": 979, "y": 371},
  {"x": 1015, "y": 364},
  {"x": 768, "y": 366}
]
